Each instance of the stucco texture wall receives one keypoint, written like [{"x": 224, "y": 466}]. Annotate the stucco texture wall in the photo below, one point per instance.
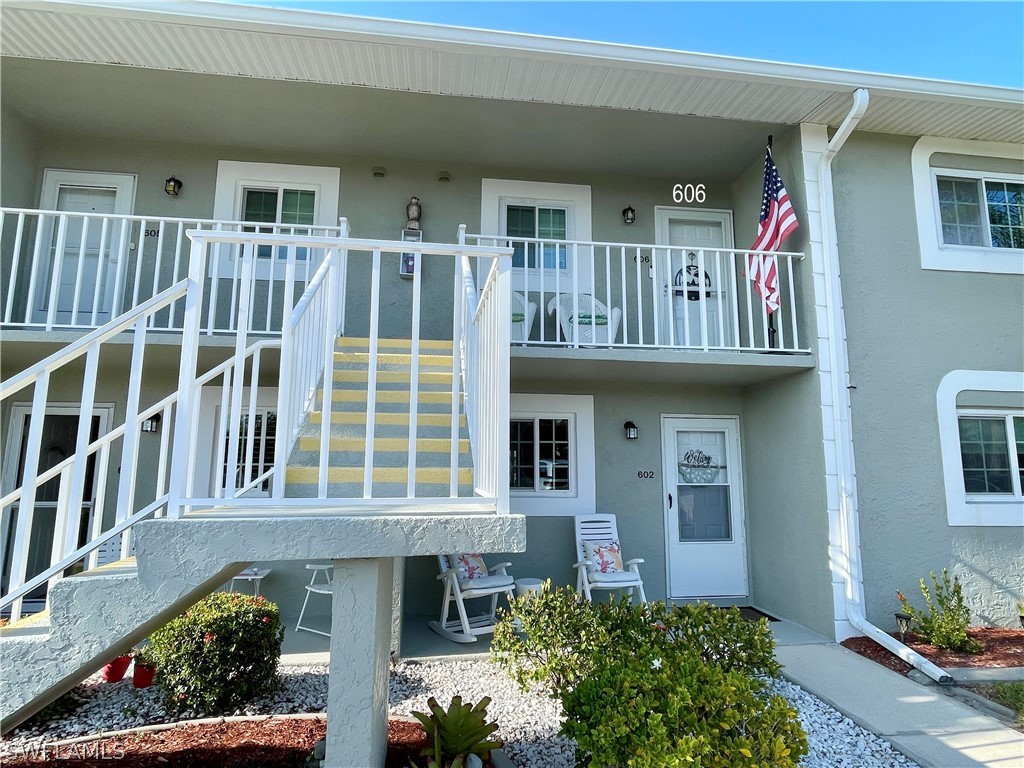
[{"x": 906, "y": 328}]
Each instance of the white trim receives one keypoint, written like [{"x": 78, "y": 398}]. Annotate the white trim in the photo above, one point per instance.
[
  {"x": 961, "y": 510},
  {"x": 956, "y": 258},
  {"x": 206, "y": 472},
  {"x": 495, "y": 194},
  {"x": 663, "y": 214},
  {"x": 584, "y": 499},
  {"x": 123, "y": 184}
]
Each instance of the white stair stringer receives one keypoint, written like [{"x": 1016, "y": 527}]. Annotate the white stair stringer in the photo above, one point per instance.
[{"x": 93, "y": 617}]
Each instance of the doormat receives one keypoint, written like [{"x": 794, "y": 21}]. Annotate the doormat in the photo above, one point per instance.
[{"x": 752, "y": 614}]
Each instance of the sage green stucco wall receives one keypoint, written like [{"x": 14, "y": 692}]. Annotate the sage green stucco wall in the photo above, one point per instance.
[
  {"x": 782, "y": 434},
  {"x": 906, "y": 329},
  {"x": 19, "y": 149}
]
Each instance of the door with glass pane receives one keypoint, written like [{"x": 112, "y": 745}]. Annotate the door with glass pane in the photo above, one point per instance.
[{"x": 704, "y": 508}]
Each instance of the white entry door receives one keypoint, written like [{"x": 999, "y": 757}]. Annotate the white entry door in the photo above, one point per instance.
[
  {"x": 84, "y": 258},
  {"x": 697, "y": 284},
  {"x": 704, "y": 508}
]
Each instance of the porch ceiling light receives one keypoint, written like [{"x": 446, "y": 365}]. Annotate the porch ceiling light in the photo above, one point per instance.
[
  {"x": 628, "y": 214},
  {"x": 379, "y": 171},
  {"x": 172, "y": 186},
  {"x": 632, "y": 431},
  {"x": 444, "y": 177}
]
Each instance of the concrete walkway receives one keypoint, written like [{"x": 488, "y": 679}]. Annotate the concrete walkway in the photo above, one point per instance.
[{"x": 921, "y": 721}]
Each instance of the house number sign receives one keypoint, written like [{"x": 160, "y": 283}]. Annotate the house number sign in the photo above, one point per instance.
[{"x": 645, "y": 474}]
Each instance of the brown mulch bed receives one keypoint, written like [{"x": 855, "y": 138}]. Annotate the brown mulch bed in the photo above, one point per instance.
[
  {"x": 284, "y": 743},
  {"x": 1003, "y": 648}
]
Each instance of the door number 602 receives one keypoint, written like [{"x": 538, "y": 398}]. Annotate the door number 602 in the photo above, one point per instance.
[{"x": 645, "y": 474}]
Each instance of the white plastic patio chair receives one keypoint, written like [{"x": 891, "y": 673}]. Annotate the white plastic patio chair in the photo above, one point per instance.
[
  {"x": 523, "y": 313},
  {"x": 597, "y": 550},
  {"x": 316, "y": 586},
  {"x": 597, "y": 325},
  {"x": 466, "y": 628}
]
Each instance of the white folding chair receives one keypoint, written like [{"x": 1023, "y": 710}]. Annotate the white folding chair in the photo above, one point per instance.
[
  {"x": 523, "y": 313},
  {"x": 316, "y": 586},
  {"x": 465, "y": 628},
  {"x": 599, "y": 558}
]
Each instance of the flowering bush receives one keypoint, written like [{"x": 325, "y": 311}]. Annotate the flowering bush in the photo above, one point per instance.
[{"x": 220, "y": 653}]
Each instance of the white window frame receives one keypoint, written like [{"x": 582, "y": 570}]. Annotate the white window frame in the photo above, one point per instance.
[
  {"x": 963, "y": 509},
  {"x": 234, "y": 177},
  {"x": 208, "y": 472},
  {"x": 935, "y": 254},
  {"x": 956, "y": 174},
  {"x": 497, "y": 194},
  {"x": 581, "y": 499}
]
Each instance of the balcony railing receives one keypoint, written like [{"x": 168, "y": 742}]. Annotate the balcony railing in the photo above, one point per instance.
[
  {"x": 626, "y": 295},
  {"x": 80, "y": 270}
]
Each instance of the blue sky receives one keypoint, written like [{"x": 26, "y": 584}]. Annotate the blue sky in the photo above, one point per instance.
[{"x": 974, "y": 42}]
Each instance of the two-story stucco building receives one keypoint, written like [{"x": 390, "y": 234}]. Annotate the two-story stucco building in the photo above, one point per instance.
[{"x": 225, "y": 193}]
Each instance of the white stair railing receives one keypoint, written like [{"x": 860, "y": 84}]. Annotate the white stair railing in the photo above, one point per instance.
[
  {"x": 679, "y": 297},
  {"x": 80, "y": 270}
]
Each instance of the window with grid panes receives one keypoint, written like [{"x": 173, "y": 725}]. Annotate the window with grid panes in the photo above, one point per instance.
[
  {"x": 540, "y": 223},
  {"x": 992, "y": 453},
  {"x": 981, "y": 211},
  {"x": 279, "y": 206},
  {"x": 540, "y": 451}
]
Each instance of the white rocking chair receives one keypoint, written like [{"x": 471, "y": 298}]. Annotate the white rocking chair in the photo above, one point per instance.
[
  {"x": 316, "y": 587},
  {"x": 596, "y": 536},
  {"x": 596, "y": 326},
  {"x": 465, "y": 628},
  {"x": 523, "y": 313}
]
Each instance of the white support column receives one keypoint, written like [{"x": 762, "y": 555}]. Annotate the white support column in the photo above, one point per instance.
[{"x": 357, "y": 693}]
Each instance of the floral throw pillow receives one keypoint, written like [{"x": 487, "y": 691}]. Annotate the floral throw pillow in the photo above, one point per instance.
[
  {"x": 469, "y": 566},
  {"x": 604, "y": 556}
]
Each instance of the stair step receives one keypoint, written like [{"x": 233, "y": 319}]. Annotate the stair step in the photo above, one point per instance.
[
  {"x": 387, "y": 396},
  {"x": 380, "y": 491},
  {"x": 391, "y": 358},
  {"x": 426, "y": 475},
  {"x": 388, "y": 419},
  {"x": 356, "y": 376},
  {"x": 382, "y": 444},
  {"x": 350, "y": 343},
  {"x": 36, "y": 623},
  {"x": 122, "y": 566}
]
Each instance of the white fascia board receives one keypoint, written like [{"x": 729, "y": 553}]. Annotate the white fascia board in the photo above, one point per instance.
[{"x": 205, "y": 13}]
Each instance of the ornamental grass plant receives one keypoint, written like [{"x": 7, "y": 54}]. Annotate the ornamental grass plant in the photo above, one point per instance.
[{"x": 220, "y": 654}]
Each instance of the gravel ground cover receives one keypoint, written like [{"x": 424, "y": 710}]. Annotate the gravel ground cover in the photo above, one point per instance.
[{"x": 528, "y": 722}]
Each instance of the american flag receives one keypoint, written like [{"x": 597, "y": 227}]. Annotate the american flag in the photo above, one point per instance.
[{"x": 776, "y": 222}]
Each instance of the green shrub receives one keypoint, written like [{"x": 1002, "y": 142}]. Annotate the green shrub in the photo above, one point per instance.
[
  {"x": 641, "y": 712},
  {"x": 555, "y": 638},
  {"x": 947, "y": 618},
  {"x": 219, "y": 654}
]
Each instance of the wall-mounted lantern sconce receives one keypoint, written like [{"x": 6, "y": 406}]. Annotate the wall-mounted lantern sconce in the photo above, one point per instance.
[
  {"x": 379, "y": 171},
  {"x": 628, "y": 214},
  {"x": 152, "y": 424},
  {"x": 632, "y": 431},
  {"x": 172, "y": 186},
  {"x": 444, "y": 177}
]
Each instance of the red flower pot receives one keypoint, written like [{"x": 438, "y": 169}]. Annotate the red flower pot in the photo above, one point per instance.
[
  {"x": 115, "y": 670},
  {"x": 142, "y": 675}
]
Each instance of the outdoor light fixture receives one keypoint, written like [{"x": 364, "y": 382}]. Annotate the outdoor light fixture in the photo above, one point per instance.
[
  {"x": 628, "y": 214},
  {"x": 632, "y": 432},
  {"x": 152, "y": 424},
  {"x": 903, "y": 624},
  {"x": 444, "y": 177},
  {"x": 172, "y": 186},
  {"x": 379, "y": 171}
]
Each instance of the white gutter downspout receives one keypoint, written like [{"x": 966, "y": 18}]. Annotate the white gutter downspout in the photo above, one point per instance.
[{"x": 838, "y": 353}]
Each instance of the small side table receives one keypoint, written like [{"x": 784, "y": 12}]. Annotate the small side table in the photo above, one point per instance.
[
  {"x": 255, "y": 575},
  {"x": 528, "y": 586}
]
